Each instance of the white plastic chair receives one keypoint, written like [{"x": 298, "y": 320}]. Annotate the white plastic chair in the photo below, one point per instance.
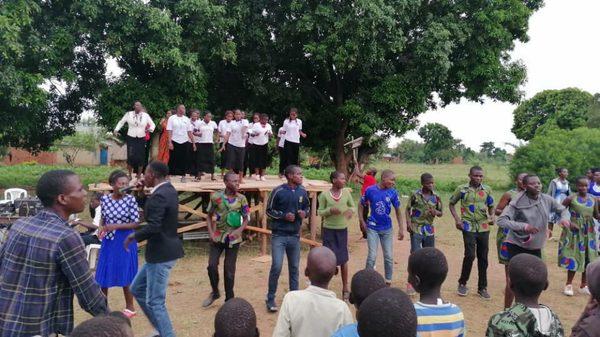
[
  {"x": 12, "y": 194},
  {"x": 92, "y": 252}
]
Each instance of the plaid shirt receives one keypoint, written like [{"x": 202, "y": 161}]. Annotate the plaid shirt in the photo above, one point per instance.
[{"x": 42, "y": 264}]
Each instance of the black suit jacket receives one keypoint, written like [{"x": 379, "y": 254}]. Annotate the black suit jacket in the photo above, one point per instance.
[{"x": 161, "y": 213}]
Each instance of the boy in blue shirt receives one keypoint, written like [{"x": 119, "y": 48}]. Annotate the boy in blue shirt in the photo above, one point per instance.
[{"x": 381, "y": 198}]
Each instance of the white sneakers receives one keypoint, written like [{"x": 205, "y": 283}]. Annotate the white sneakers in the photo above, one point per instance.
[
  {"x": 569, "y": 290},
  {"x": 585, "y": 290}
]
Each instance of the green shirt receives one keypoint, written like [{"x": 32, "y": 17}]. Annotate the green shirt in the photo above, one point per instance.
[
  {"x": 474, "y": 205},
  {"x": 221, "y": 205},
  {"x": 519, "y": 321},
  {"x": 420, "y": 218},
  {"x": 326, "y": 202}
]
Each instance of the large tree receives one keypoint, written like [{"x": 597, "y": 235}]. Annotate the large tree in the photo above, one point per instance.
[
  {"x": 355, "y": 68},
  {"x": 564, "y": 109},
  {"x": 439, "y": 143}
]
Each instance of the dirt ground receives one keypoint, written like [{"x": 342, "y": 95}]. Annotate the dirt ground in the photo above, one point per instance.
[{"x": 189, "y": 285}]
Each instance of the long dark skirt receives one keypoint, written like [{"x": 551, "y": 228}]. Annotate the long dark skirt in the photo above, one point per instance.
[
  {"x": 235, "y": 158},
  {"x": 258, "y": 156},
  {"x": 223, "y": 160},
  {"x": 292, "y": 153},
  {"x": 178, "y": 159},
  {"x": 337, "y": 241},
  {"x": 136, "y": 149},
  {"x": 281, "y": 159},
  {"x": 248, "y": 163},
  {"x": 204, "y": 158}
]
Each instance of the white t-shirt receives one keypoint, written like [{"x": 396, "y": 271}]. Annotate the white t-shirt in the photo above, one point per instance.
[
  {"x": 180, "y": 127},
  {"x": 206, "y": 129},
  {"x": 281, "y": 135},
  {"x": 292, "y": 130},
  {"x": 136, "y": 123},
  {"x": 237, "y": 132},
  {"x": 259, "y": 134},
  {"x": 223, "y": 126},
  {"x": 543, "y": 319}
]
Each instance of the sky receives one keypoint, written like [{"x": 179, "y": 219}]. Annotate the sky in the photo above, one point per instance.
[{"x": 563, "y": 51}]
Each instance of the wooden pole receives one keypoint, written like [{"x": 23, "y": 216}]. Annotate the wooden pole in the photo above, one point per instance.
[
  {"x": 310, "y": 242},
  {"x": 263, "y": 222},
  {"x": 313, "y": 216}
]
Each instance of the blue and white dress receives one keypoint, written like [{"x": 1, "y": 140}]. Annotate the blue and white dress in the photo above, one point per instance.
[{"x": 116, "y": 266}]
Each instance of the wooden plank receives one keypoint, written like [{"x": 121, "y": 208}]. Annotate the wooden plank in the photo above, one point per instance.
[
  {"x": 310, "y": 242},
  {"x": 192, "y": 227},
  {"x": 313, "y": 215},
  {"x": 188, "y": 209},
  {"x": 256, "y": 208}
]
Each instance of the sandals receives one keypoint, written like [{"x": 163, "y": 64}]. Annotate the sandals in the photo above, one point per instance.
[{"x": 130, "y": 314}]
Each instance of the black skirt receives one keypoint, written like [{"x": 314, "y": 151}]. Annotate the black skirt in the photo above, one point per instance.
[
  {"x": 204, "y": 158},
  {"x": 178, "y": 159},
  {"x": 337, "y": 241},
  {"x": 292, "y": 153},
  {"x": 259, "y": 156},
  {"x": 235, "y": 158},
  {"x": 281, "y": 159},
  {"x": 136, "y": 150},
  {"x": 223, "y": 157}
]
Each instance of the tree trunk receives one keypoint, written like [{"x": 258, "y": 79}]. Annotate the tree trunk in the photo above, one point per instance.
[{"x": 341, "y": 158}]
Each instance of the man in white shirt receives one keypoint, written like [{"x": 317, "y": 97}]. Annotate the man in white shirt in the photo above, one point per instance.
[
  {"x": 314, "y": 311},
  {"x": 139, "y": 127}
]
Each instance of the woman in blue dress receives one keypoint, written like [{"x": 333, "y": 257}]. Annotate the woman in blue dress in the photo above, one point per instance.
[{"x": 116, "y": 266}]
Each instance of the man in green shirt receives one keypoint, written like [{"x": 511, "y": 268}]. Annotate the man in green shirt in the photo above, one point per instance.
[
  {"x": 477, "y": 209},
  {"x": 231, "y": 210}
]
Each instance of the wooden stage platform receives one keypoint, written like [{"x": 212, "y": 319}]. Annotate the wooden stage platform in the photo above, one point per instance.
[{"x": 193, "y": 195}]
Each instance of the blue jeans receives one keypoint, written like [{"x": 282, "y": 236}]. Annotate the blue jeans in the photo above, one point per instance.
[
  {"x": 386, "y": 237},
  {"x": 150, "y": 290},
  {"x": 290, "y": 245},
  {"x": 418, "y": 241}
]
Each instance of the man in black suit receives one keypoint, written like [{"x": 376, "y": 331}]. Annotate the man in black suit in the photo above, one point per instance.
[{"x": 162, "y": 251}]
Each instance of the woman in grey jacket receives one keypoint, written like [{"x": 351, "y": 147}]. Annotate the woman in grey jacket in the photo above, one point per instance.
[{"x": 527, "y": 217}]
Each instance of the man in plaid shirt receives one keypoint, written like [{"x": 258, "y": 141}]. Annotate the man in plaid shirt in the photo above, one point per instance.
[{"x": 43, "y": 262}]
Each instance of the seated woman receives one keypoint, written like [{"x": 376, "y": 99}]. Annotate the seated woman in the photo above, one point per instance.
[{"x": 116, "y": 266}]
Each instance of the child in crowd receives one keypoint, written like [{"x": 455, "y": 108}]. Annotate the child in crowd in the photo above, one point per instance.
[
  {"x": 368, "y": 179},
  {"x": 336, "y": 208},
  {"x": 577, "y": 246},
  {"x": 423, "y": 206},
  {"x": 381, "y": 198},
  {"x": 314, "y": 311},
  {"x": 236, "y": 318},
  {"x": 476, "y": 214},
  {"x": 528, "y": 277},
  {"x": 427, "y": 271},
  {"x": 388, "y": 312},
  {"x": 114, "y": 324},
  {"x": 364, "y": 283},
  {"x": 588, "y": 324},
  {"x": 91, "y": 235}
]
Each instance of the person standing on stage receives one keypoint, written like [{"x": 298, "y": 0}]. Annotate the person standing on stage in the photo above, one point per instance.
[
  {"x": 180, "y": 138},
  {"x": 288, "y": 205},
  {"x": 138, "y": 124},
  {"x": 292, "y": 127},
  {"x": 204, "y": 131},
  {"x": 476, "y": 215},
  {"x": 222, "y": 128},
  {"x": 235, "y": 143},
  {"x": 280, "y": 150},
  {"x": 231, "y": 209},
  {"x": 260, "y": 134},
  {"x": 163, "y": 145},
  {"x": 250, "y": 148},
  {"x": 163, "y": 250}
]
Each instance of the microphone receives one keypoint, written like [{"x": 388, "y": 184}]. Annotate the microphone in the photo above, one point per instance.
[{"x": 126, "y": 189}]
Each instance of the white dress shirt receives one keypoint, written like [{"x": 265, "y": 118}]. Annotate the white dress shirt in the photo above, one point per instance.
[
  {"x": 314, "y": 312},
  {"x": 259, "y": 134},
  {"x": 237, "y": 132},
  {"x": 292, "y": 130},
  {"x": 206, "y": 129},
  {"x": 180, "y": 127},
  {"x": 136, "y": 124},
  {"x": 223, "y": 126}
]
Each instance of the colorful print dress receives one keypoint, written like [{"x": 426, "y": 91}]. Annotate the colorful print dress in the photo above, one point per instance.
[
  {"x": 501, "y": 237},
  {"x": 577, "y": 247}
]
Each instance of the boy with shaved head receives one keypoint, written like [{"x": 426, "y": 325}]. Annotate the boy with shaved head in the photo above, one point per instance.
[{"x": 314, "y": 311}]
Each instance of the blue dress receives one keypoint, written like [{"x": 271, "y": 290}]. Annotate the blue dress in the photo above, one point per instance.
[{"x": 116, "y": 266}]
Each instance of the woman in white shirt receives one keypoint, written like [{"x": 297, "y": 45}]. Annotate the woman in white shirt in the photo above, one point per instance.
[
  {"x": 223, "y": 126},
  {"x": 292, "y": 126},
  {"x": 204, "y": 157},
  {"x": 235, "y": 143},
  {"x": 250, "y": 148},
  {"x": 180, "y": 137},
  {"x": 139, "y": 127},
  {"x": 260, "y": 133},
  {"x": 280, "y": 144}
]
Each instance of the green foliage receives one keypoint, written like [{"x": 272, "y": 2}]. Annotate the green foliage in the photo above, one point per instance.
[
  {"x": 565, "y": 109},
  {"x": 594, "y": 113},
  {"x": 577, "y": 150},
  {"x": 73, "y": 144},
  {"x": 439, "y": 143},
  {"x": 489, "y": 151},
  {"x": 410, "y": 151}
]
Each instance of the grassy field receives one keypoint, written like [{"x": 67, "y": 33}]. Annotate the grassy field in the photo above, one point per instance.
[{"x": 26, "y": 175}]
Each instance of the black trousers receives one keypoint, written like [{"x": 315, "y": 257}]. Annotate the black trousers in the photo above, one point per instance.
[
  {"x": 514, "y": 250},
  {"x": 216, "y": 249},
  {"x": 281, "y": 159},
  {"x": 292, "y": 153},
  {"x": 476, "y": 245},
  {"x": 178, "y": 159}
]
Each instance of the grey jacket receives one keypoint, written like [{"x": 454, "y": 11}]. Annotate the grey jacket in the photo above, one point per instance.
[{"x": 523, "y": 210}]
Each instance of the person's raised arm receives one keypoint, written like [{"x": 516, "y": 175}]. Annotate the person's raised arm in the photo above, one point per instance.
[{"x": 73, "y": 263}]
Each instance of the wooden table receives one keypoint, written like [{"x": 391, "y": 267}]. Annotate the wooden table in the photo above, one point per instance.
[{"x": 193, "y": 194}]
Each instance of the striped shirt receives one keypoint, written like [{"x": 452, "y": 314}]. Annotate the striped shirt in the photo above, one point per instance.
[
  {"x": 441, "y": 320},
  {"x": 42, "y": 264}
]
